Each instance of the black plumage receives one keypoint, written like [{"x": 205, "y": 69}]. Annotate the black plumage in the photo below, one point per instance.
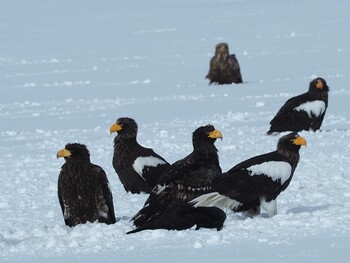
[
  {"x": 184, "y": 216},
  {"x": 224, "y": 68},
  {"x": 303, "y": 112},
  {"x": 138, "y": 168},
  {"x": 258, "y": 181},
  {"x": 83, "y": 188},
  {"x": 185, "y": 179}
]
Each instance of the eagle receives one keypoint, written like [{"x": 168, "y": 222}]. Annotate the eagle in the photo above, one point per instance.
[
  {"x": 83, "y": 189},
  {"x": 138, "y": 168},
  {"x": 224, "y": 68},
  {"x": 184, "y": 216},
  {"x": 186, "y": 178},
  {"x": 303, "y": 112},
  {"x": 256, "y": 183}
]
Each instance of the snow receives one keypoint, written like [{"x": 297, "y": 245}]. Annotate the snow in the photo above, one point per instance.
[
  {"x": 141, "y": 162},
  {"x": 312, "y": 108},
  {"x": 276, "y": 170},
  {"x": 70, "y": 68}
]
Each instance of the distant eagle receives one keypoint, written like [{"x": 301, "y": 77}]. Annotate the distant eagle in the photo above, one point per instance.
[
  {"x": 303, "y": 112},
  {"x": 185, "y": 179},
  {"x": 256, "y": 182},
  {"x": 138, "y": 168},
  {"x": 224, "y": 68},
  {"x": 83, "y": 188}
]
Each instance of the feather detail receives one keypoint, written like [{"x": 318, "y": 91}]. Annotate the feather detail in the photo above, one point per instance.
[{"x": 215, "y": 199}]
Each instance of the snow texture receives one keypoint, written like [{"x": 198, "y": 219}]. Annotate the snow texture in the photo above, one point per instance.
[
  {"x": 276, "y": 170},
  {"x": 140, "y": 163},
  {"x": 312, "y": 108},
  {"x": 68, "y": 69}
]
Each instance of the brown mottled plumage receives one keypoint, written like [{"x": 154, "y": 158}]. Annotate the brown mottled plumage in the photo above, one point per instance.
[
  {"x": 83, "y": 189},
  {"x": 224, "y": 68}
]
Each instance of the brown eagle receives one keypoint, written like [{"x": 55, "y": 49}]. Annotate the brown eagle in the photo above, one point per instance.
[
  {"x": 224, "y": 68},
  {"x": 83, "y": 188}
]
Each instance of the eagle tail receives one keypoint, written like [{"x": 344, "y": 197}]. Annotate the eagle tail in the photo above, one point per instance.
[{"x": 215, "y": 199}]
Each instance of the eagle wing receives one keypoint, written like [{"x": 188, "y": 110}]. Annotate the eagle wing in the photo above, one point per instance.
[
  {"x": 187, "y": 177},
  {"x": 104, "y": 198},
  {"x": 253, "y": 178},
  {"x": 235, "y": 69},
  {"x": 291, "y": 104},
  {"x": 150, "y": 166},
  {"x": 290, "y": 119},
  {"x": 183, "y": 181},
  {"x": 141, "y": 170}
]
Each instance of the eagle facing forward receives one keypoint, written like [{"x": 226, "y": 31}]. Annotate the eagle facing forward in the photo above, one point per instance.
[{"x": 224, "y": 68}]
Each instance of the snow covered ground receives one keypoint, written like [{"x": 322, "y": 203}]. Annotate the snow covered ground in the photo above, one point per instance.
[{"x": 69, "y": 69}]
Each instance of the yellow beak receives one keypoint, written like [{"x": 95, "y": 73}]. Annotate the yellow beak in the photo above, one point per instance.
[
  {"x": 115, "y": 127},
  {"x": 63, "y": 153},
  {"x": 215, "y": 134},
  {"x": 299, "y": 141},
  {"x": 319, "y": 85}
]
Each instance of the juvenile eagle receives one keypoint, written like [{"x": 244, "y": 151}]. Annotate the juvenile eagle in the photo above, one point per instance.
[
  {"x": 185, "y": 179},
  {"x": 224, "y": 68},
  {"x": 256, "y": 182},
  {"x": 303, "y": 112},
  {"x": 83, "y": 189},
  {"x": 138, "y": 168}
]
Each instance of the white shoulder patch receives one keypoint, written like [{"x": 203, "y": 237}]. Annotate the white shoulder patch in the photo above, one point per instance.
[
  {"x": 273, "y": 169},
  {"x": 312, "y": 107},
  {"x": 141, "y": 162}
]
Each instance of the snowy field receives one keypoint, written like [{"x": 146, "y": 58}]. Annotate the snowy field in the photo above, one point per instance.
[{"x": 69, "y": 69}]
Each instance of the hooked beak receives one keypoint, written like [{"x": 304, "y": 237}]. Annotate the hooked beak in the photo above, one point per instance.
[
  {"x": 63, "y": 153},
  {"x": 299, "y": 141},
  {"x": 319, "y": 85},
  {"x": 115, "y": 128},
  {"x": 215, "y": 134}
]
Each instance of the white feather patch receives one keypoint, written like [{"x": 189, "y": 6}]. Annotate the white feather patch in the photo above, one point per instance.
[
  {"x": 141, "y": 162},
  {"x": 103, "y": 214},
  {"x": 66, "y": 213},
  {"x": 312, "y": 107},
  {"x": 215, "y": 199},
  {"x": 273, "y": 169},
  {"x": 159, "y": 188},
  {"x": 270, "y": 207}
]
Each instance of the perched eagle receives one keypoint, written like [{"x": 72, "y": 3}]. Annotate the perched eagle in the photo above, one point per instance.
[
  {"x": 224, "y": 68},
  {"x": 256, "y": 182},
  {"x": 185, "y": 179},
  {"x": 83, "y": 188},
  {"x": 303, "y": 112},
  {"x": 185, "y": 216},
  {"x": 138, "y": 168}
]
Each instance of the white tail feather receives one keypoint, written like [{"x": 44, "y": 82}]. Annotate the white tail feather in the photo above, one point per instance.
[{"x": 215, "y": 199}]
